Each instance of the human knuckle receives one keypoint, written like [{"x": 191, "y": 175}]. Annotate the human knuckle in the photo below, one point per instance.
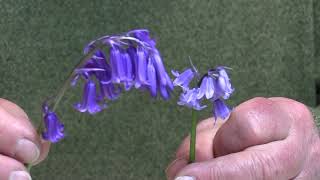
[
  {"x": 250, "y": 118},
  {"x": 302, "y": 114}
]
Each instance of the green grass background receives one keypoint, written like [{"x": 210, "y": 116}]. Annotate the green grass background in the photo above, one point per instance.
[{"x": 272, "y": 47}]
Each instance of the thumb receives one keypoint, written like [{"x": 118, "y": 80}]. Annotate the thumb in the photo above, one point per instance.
[
  {"x": 16, "y": 123},
  {"x": 268, "y": 161},
  {"x": 45, "y": 147}
]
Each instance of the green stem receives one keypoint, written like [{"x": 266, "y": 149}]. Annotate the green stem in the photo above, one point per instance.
[
  {"x": 192, "y": 152},
  {"x": 65, "y": 86}
]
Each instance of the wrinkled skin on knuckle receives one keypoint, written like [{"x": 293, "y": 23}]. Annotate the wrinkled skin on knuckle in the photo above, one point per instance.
[
  {"x": 311, "y": 169},
  {"x": 264, "y": 167},
  {"x": 252, "y": 116},
  {"x": 301, "y": 115}
]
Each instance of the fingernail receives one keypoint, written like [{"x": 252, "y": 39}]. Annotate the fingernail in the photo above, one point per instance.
[
  {"x": 185, "y": 178},
  {"x": 19, "y": 175},
  {"x": 27, "y": 151}
]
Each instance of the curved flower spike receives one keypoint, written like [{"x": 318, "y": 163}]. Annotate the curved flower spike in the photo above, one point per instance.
[
  {"x": 54, "y": 128},
  {"x": 89, "y": 99}
]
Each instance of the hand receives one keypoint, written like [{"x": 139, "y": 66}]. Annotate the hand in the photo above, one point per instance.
[
  {"x": 273, "y": 138},
  {"x": 19, "y": 143}
]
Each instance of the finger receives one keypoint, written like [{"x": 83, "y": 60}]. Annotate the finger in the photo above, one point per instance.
[
  {"x": 175, "y": 166},
  {"x": 19, "y": 139},
  {"x": 12, "y": 169},
  {"x": 45, "y": 148},
  {"x": 282, "y": 159},
  {"x": 311, "y": 168},
  {"x": 203, "y": 152},
  {"x": 208, "y": 124},
  {"x": 254, "y": 122},
  {"x": 204, "y": 140},
  {"x": 274, "y": 160},
  {"x": 299, "y": 111},
  {"x": 204, "y": 137}
]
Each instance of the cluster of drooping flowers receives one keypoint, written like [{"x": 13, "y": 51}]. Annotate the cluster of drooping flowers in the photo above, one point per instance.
[
  {"x": 131, "y": 60},
  {"x": 214, "y": 86}
]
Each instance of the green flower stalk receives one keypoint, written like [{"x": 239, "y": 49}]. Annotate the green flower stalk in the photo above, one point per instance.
[{"x": 214, "y": 86}]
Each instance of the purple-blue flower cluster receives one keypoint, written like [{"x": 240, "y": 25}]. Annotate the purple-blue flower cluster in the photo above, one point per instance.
[
  {"x": 215, "y": 86},
  {"x": 132, "y": 60}
]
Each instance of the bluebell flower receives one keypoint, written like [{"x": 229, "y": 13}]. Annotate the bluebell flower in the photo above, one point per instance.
[
  {"x": 54, "y": 129},
  {"x": 215, "y": 85},
  {"x": 166, "y": 89},
  {"x": 189, "y": 98},
  {"x": 206, "y": 88},
  {"x": 109, "y": 91},
  {"x": 128, "y": 78},
  {"x": 99, "y": 61},
  {"x": 152, "y": 78},
  {"x": 90, "y": 102},
  {"x": 183, "y": 80},
  {"x": 116, "y": 64},
  {"x": 220, "y": 109},
  {"x": 96, "y": 66},
  {"x": 143, "y": 35},
  {"x": 222, "y": 83},
  {"x": 139, "y": 55},
  {"x": 162, "y": 82}
]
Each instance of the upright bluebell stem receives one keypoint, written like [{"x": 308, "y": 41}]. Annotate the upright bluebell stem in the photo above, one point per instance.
[{"x": 214, "y": 85}]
